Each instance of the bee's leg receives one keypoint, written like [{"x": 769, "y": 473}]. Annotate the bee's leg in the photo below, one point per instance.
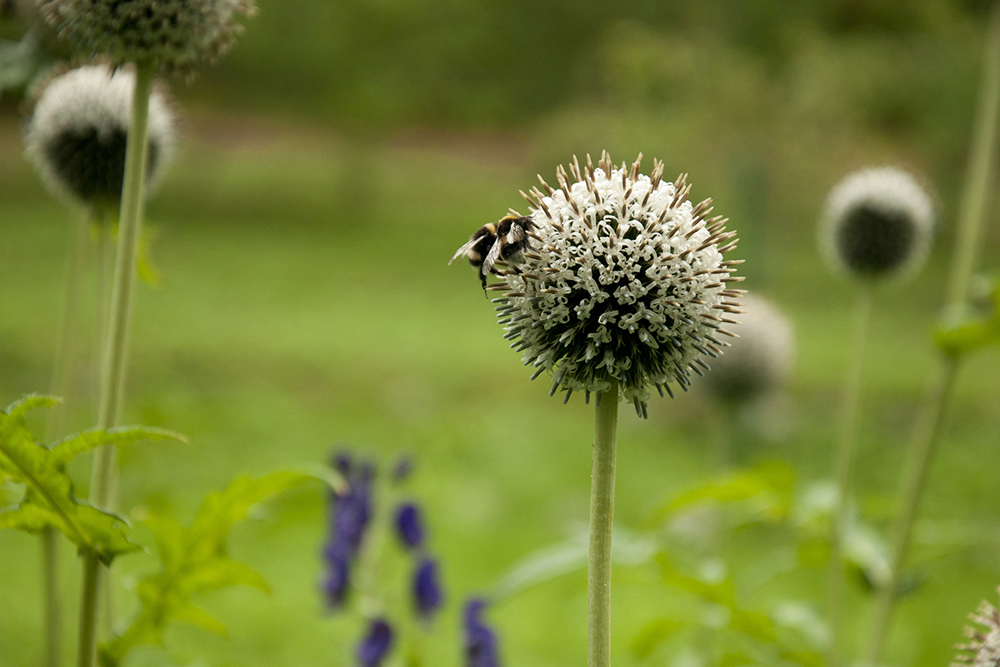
[{"x": 482, "y": 279}]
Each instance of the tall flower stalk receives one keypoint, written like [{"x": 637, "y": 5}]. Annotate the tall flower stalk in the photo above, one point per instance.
[
  {"x": 76, "y": 139},
  {"x": 113, "y": 362},
  {"x": 878, "y": 228},
  {"x": 971, "y": 221},
  {"x": 613, "y": 284},
  {"x": 602, "y": 506}
]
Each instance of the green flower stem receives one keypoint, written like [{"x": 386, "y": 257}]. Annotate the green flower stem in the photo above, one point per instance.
[
  {"x": 113, "y": 361},
  {"x": 602, "y": 502},
  {"x": 923, "y": 446},
  {"x": 55, "y": 426},
  {"x": 846, "y": 448},
  {"x": 972, "y": 216}
]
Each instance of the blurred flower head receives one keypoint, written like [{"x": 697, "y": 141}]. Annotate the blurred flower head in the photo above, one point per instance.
[
  {"x": 375, "y": 645},
  {"x": 879, "y": 223},
  {"x": 624, "y": 280},
  {"x": 409, "y": 525},
  {"x": 77, "y": 133},
  {"x": 480, "y": 640},
  {"x": 760, "y": 360},
  {"x": 983, "y": 647},
  {"x": 427, "y": 593},
  {"x": 173, "y": 35}
]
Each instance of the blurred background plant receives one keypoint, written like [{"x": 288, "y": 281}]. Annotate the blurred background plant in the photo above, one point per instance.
[{"x": 334, "y": 160}]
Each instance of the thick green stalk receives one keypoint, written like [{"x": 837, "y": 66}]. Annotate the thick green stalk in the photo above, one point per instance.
[
  {"x": 55, "y": 426},
  {"x": 846, "y": 448},
  {"x": 113, "y": 362},
  {"x": 602, "y": 503},
  {"x": 980, "y": 176}
]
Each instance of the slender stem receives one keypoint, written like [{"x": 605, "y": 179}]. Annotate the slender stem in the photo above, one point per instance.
[
  {"x": 980, "y": 174},
  {"x": 113, "y": 363},
  {"x": 602, "y": 502},
  {"x": 972, "y": 216},
  {"x": 923, "y": 446},
  {"x": 846, "y": 448},
  {"x": 105, "y": 275},
  {"x": 62, "y": 376}
]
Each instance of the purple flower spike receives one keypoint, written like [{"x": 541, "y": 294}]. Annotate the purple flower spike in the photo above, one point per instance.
[
  {"x": 480, "y": 640},
  {"x": 350, "y": 513},
  {"x": 376, "y": 644},
  {"x": 338, "y": 578},
  {"x": 409, "y": 525},
  {"x": 427, "y": 588}
]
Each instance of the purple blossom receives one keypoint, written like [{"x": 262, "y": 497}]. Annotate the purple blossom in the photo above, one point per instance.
[
  {"x": 375, "y": 646},
  {"x": 480, "y": 640},
  {"x": 427, "y": 588},
  {"x": 350, "y": 514},
  {"x": 409, "y": 525}
]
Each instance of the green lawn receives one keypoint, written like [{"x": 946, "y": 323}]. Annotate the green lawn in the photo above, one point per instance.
[{"x": 306, "y": 304}]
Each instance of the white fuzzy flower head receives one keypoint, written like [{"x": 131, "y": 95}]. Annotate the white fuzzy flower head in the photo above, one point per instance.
[
  {"x": 623, "y": 280},
  {"x": 983, "y": 647},
  {"x": 879, "y": 224},
  {"x": 173, "y": 35},
  {"x": 77, "y": 134},
  {"x": 760, "y": 360}
]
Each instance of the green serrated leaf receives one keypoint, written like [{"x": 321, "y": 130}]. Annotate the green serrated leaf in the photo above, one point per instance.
[
  {"x": 48, "y": 500},
  {"x": 193, "y": 561},
  {"x": 64, "y": 450}
]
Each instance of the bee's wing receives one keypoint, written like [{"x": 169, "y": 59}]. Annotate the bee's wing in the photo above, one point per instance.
[
  {"x": 493, "y": 255},
  {"x": 516, "y": 233},
  {"x": 464, "y": 249}
]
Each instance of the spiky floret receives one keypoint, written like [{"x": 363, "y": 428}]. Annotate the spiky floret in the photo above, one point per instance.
[
  {"x": 983, "y": 647},
  {"x": 174, "y": 35},
  {"x": 624, "y": 280},
  {"x": 760, "y": 360},
  {"x": 77, "y": 133},
  {"x": 879, "y": 223}
]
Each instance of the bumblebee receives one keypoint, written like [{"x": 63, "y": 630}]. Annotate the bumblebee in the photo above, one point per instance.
[{"x": 504, "y": 240}]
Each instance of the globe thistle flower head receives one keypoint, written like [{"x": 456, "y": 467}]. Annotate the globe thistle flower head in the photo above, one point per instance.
[
  {"x": 427, "y": 593},
  {"x": 172, "y": 35},
  {"x": 77, "y": 133},
  {"x": 983, "y": 647},
  {"x": 376, "y": 644},
  {"x": 879, "y": 224},
  {"x": 623, "y": 281},
  {"x": 759, "y": 361}
]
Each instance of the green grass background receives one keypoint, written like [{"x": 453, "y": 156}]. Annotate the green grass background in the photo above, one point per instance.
[{"x": 306, "y": 304}]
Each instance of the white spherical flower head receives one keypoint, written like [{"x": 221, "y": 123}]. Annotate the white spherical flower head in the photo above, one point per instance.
[
  {"x": 760, "y": 360},
  {"x": 77, "y": 134},
  {"x": 983, "y": 647},
  {"x": 623, "y": 280},
  {"x": 879, "y": 224},
  {"x": 173, "y": 35}
]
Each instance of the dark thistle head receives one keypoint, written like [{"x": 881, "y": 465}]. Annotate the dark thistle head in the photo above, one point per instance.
[
  {"x": 623, "y": 281},
  {"x": 983, "y": 647},
  {"x": 481, "y": 646},
  {"x": 78, "y": 129},
  {"x": 376, "y": 644},
  {"x": 427, "y": 594},
  {"x": 409, "y": 526},
  {"x": 173, "y": 35},
  {"x": 759, "y": 362},
  {"x": 879, "y": 224}
]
